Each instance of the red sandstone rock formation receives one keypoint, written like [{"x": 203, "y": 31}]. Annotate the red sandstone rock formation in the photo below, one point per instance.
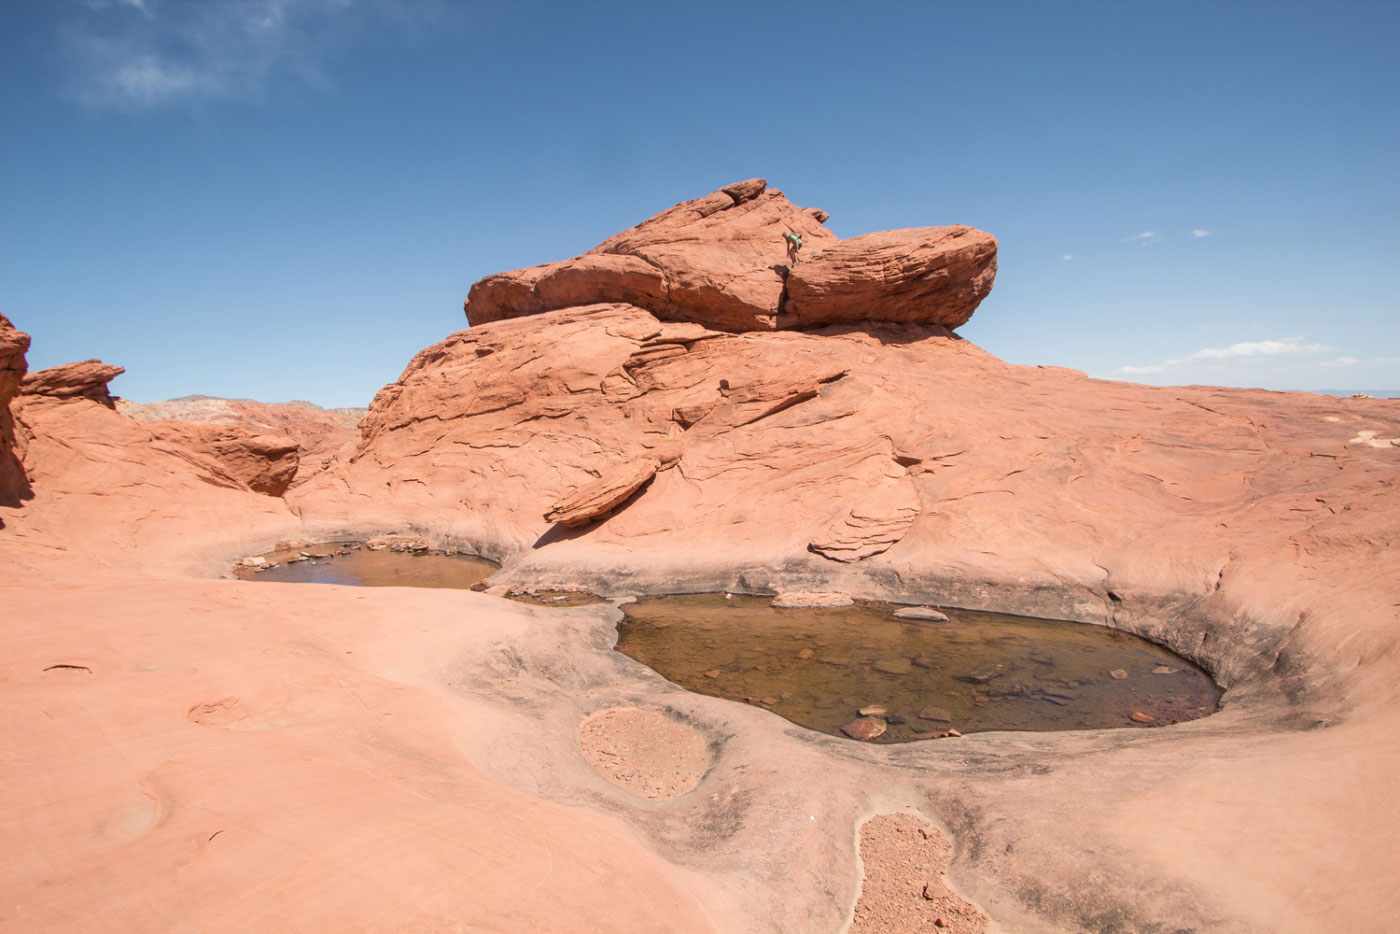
[
  {"x": 722, "y": 261},
  {"x": 87, "y": 379},
  {"x": 13, "y": 344},
  {"x": 926, "y": 275},
  {"x": 321, "y": 435},
  {"x": 262, "y": 463},
  {"x": 176, "y": 742}
]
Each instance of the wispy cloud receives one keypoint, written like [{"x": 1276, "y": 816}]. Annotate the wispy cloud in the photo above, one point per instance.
[
  {"x": 1259, "y": 349},
  {"x": 1146, "y": 237},
  {"x": 1215, "y": 358},
  {"x": 1198, "y": 233},
  {"x": 1067, "y": 257},
  {"x": 149, "y": 53}
]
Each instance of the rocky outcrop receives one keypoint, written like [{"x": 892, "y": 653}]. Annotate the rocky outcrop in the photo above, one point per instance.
[
  {"x": 722, "y": 261},
  {"x": 925, "y": 275},
  {"x": 13, "y": 345},
  {"x": 321, "y": 435},
  {"x": 262, "y": 463},
  {"x": 86, "y": 380}
]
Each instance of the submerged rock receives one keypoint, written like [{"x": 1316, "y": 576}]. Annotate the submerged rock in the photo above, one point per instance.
[
  {"x": 864, "y": 728},
  {"x": 811, "y": 600},
  {"x": 921, "y": 612}
]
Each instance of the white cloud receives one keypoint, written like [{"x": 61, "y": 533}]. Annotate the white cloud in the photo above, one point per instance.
[
  {"x": 1067, "y": 256},
  {"x": 1198, "y": 233},
  {"x": 1147, "y": 236},
  {"x": 1259, "y": 349},
  {"x": 148, "y": 53},
  {"x": 1339, "y": 361},
  {"x": 1215, "y": 359}
]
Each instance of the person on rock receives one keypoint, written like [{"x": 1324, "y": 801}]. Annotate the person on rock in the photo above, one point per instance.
[{"x": 794, "y": 243}]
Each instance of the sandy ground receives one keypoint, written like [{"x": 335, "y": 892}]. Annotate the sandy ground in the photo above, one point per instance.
[
  {"x": 903, "y": 886},
  {"x": 644, "y": 751}
]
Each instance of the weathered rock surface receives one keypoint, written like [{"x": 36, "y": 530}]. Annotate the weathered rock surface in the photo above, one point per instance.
[
  {"x": 14, "y": 486},
  {"x": 722, "y": 261},
  {"x": 87, "y": 379},
  {"x": 595, "y": 500},
  {"x": 321, "y": 435},
  {"x": 923, "y": 275},
  {"x": 264, "y": 464}
]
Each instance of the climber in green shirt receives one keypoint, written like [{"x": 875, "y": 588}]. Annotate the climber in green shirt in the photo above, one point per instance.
[{"x": 794, "y": 243}]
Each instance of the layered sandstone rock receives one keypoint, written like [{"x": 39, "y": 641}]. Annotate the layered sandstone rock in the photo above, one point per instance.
[
  {"x": 321, "y": 435},
  {"x": 926, "y": 275},
  {"x": 263, "y": 463},
  {"x": 87, "y": 379},
  {"x": 13, "y": 345},
  {"x": 722, "y": 261}
]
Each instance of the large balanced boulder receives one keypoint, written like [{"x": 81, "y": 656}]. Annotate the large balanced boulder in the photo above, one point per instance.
[
  {"x": 13, "y": 344},
  {"x": 722, "y": 261}
]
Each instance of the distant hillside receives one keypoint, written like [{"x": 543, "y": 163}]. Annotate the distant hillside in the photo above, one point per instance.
[{"x": 1373, "y": 393}]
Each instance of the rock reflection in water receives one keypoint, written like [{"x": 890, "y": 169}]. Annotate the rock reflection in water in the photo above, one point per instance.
[
  {"x": 827, "y": 669},
  {"x": 353, "y": 564}
]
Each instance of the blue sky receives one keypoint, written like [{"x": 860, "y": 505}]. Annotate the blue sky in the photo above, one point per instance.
[{"x": 287, "y": 198}]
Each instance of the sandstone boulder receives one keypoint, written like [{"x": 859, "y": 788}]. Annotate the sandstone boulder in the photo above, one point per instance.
[
  {"x": 924, "y": 275},
  {"x": 87, "y": 379},
  {"x": 722, "y": 261},
  {"x": 13, "y": 344},
  {"x": 718, "y": 260}
]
